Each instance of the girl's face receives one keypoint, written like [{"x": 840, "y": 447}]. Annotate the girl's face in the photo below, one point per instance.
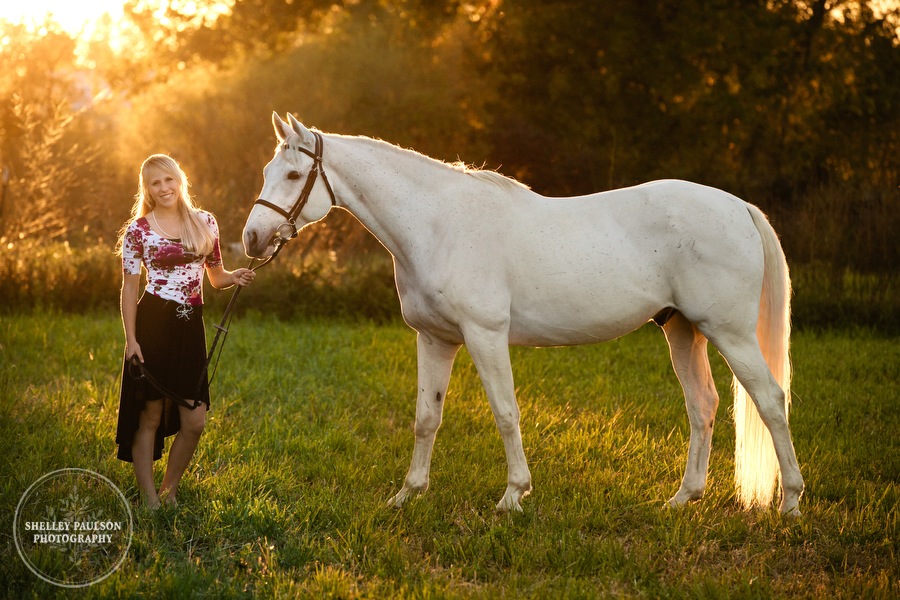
[{"x": 165, "y": 188}]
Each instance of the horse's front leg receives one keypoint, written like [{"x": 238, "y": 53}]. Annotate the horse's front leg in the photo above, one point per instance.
[
  {"x": 435, "y": 361},
  {"x": 490, "y": 353}
]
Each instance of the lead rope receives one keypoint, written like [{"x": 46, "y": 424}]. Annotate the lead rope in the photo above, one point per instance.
[{"x": 221, "y": 333}]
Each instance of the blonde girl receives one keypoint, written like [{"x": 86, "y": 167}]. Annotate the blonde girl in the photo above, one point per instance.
[{"x": 175, "y": 242}]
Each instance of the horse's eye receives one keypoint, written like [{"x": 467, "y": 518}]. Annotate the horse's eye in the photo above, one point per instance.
[{"x": 293, "y": 175}]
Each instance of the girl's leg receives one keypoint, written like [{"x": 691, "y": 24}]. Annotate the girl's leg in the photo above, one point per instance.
[
  {"x": 192, "y": 424},
  {"x": 142, "y": 451}
]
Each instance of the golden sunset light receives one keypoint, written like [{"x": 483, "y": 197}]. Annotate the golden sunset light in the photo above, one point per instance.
[
  {"x": 566, "y": 299},
  {"x": 73, "y": 17},
  {"x": 104, "y": 20}
]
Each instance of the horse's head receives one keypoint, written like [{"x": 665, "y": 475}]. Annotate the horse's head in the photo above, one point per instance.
[{"x": 290, "y": 198}]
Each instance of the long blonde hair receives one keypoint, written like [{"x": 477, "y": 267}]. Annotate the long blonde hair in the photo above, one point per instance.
[{"x": 196, "y": 235}]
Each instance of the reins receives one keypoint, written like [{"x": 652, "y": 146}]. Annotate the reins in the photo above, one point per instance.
[
  {"x": 279, "y": 241},
  {"x": 221, "y": 333}
]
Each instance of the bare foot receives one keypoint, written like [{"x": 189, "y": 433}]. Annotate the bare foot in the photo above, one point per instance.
[{"x": 168, "y": 498}]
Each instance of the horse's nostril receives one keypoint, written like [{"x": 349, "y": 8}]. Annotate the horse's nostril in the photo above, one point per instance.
[{"x": 251, "y": 240}]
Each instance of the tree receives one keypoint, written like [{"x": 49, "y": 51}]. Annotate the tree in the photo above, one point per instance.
[
  {"x": 44, "y": 167},
  {"x": 757, "y": 97}
]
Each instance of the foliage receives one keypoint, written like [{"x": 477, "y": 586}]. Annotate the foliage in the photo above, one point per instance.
[
  {"x": 311, "y": 430},
  {"x": 44, "y": 157},
  {"x": 765, "y": 99},
  {"x": 791, "y": 105},
  {"x": 66, "y": 278},
  {"x": 841, "y": 227},
  {"x": 58, "y": 276},
  {"x": 319, "y": 286}
]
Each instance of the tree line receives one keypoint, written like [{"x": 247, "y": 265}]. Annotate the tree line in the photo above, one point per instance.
[{"x": 793, "y": 105}]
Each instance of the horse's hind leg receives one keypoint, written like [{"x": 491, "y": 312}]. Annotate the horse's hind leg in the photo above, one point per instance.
[
  {"x": 435, "y": 362},
  {"x": 687, "y": 347},
  {"x": 744, "y": 356}
]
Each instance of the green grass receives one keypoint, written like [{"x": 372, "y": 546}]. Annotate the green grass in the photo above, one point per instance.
[{"x": 311, "y": 433}]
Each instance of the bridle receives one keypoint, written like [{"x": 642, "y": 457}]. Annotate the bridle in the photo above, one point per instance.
[{"x": 314, "y": 171}]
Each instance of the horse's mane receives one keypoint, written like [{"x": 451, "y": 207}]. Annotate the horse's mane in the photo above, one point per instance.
[{"x": 485, "y": 175}]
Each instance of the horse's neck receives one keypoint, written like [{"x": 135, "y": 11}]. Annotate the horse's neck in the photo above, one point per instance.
[{"x": 395, "y": 194}]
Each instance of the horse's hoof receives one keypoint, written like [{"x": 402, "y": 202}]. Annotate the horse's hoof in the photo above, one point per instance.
[
  {"x": 397, "y": 500},
  {"x": 671, "y": 504},
  {"x": 683, "y": 497},
  {"x": 504, "y": 507},
  {"x": 405, "y": 493},
  {"x": 509, "y": 503}
]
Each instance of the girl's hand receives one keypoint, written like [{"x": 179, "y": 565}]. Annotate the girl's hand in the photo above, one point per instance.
[
  {"x": 133, "y": 349},
  {"x": 242, "y": 276}
]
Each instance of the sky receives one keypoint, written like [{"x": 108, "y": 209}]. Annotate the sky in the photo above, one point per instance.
[{"x": 70, "y": 14}]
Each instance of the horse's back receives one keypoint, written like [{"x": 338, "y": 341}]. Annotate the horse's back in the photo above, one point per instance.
[{"x": 595, "y": 267}]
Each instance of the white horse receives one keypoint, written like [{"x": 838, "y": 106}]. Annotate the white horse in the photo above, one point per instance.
[{"x": 481, "y": 260}]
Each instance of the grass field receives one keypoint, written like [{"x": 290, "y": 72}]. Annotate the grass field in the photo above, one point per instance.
[{"x": 311, "y": 432}]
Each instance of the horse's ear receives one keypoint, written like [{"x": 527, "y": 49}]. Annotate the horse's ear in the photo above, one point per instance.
[
  {"x": 282, "y": 129},
  {"x": 299, "y": 129}
]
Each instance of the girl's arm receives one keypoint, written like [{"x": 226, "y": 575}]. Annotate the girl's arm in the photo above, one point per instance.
[
  {"x": 221, "y": 279},
  {"x": 129, "y": 300},
  {"x": 218, "y": 276}
]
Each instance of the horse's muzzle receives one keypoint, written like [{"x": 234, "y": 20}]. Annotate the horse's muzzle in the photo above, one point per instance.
[{"x": 255, "y": 247}]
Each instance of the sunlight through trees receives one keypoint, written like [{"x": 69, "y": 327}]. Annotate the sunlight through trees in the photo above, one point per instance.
[{"x": 792, "y": 104}]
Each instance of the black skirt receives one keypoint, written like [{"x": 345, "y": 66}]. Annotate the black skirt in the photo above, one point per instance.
[{"x": 174, "y": 347}]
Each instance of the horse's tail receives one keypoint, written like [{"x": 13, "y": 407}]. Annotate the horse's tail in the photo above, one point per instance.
[{"x": 756, "y": 466}]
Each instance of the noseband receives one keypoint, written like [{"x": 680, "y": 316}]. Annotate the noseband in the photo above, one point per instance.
[{"x": 314, "y": 171}]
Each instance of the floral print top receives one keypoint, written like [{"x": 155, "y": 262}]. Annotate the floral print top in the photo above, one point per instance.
[{"x": 172, "y": 273}]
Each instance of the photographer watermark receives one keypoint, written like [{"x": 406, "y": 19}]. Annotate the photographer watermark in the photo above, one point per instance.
[{"x": 73, "y": 528}]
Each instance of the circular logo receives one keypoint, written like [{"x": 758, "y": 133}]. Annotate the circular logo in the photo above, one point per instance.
[{"x": 73, "y": 528}]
